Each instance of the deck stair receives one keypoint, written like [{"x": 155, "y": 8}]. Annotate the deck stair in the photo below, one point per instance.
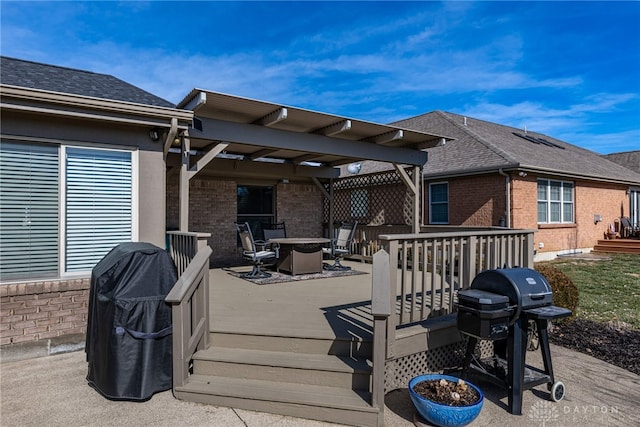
[
  {"x": 323, "y": 379},
  {"x": 621, "y": 246}
]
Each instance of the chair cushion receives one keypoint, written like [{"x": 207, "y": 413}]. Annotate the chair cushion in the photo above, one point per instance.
[{"x": 265, "y": 254}]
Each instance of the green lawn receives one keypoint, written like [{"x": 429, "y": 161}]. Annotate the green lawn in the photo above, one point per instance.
[{"x": 609, "y": 289}]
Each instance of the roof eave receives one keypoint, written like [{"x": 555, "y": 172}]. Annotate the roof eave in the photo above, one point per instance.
[
  {"x": 529, "y": 169},
  {"x": 89, "y": 107}
]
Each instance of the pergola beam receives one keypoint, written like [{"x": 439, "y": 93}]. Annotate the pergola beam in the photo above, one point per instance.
[
  {"x": 171, "y": 136},
  {"x": 241, "y": 133},
  {"x": 204, "y": 160},
  {"x": 272, "y": 118},
  {"x": 261, "y": 153},
  {"x": 387, "y": 137},
  {"x": 267, "y": 170},
  {"x": 334, "y": 129},
  {"x": 304, "y": 158}
]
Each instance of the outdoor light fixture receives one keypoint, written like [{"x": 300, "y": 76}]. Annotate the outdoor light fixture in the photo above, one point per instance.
[
  {"x": 354, "y": 168},
  {"x": 522, "y": 174},
  {"x": 154, "y": 134}
]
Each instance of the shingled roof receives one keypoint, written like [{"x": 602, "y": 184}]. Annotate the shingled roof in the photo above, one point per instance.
[
  {"x": 480, "y": 146},
  {"x": 628, "y": 159},
  {"x": 34, "y": 75}
]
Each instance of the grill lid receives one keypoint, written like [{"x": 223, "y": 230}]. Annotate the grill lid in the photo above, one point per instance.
[
  {"x": 523, "y": 286},
  {"x": 482, "y": 300}
]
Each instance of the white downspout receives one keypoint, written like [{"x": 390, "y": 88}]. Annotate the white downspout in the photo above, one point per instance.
[{"x": 508, "y": 192}]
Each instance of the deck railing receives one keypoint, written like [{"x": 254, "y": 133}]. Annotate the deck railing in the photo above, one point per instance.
[
  {"x": 367, "y": 242},
  {"x": 416, "y": 278},
  {"x": 183, "y": 246},
  {"x": 431, "y": 267},
  {"x": 189, "y": 299}
]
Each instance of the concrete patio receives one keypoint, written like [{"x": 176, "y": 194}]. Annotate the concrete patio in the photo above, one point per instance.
[{"x": 53, "y": 390}]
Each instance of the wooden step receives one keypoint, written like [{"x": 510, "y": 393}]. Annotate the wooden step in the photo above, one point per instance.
[
  {"x": 331, "y": 404},
  {"x": 622, "y": 246},
  {"x": 330, "y": 345},
  {"x": 302, "y": 368}
]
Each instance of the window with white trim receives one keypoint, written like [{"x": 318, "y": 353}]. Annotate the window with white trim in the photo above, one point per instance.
[
  {"x": 439, "y": 203},
  {"x": 61, "y": 217},
  {"x": 555, "y": 202},
  {"x": 98, "y": 205}
]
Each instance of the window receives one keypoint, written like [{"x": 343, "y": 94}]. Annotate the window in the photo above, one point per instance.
[
  {"x": 98, "y": 198},
  {"x": 555, "y": 202},
  {"x": 58, "y": 216},
  {"x": 439, "y": 203},
  {"x": 255, "y": 206},
  {"x": 28, "y": 210}
]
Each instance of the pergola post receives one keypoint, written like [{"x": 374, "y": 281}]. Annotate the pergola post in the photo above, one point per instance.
[
  {"x": 413, "y": 185},
  {"x": 185, "y": 145},
  {"x": 417, "y": 180}
]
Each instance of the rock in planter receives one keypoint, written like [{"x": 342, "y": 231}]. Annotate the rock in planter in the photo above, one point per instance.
[{"x": 444, "y": 400}]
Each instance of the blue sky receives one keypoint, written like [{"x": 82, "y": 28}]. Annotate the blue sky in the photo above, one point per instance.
[{"x": 567, "y": 69}]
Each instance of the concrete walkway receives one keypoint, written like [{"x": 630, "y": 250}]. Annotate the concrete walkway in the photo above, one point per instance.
[{"x": 52, "y": 391}]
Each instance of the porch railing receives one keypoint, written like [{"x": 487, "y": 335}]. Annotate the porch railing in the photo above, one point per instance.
[
  {"x": 367, "y": 242},
  {"x": 183, "y": 246},
  {"x": 189, "y": 299},
  {"x": 431, "y": 267},
  {"x": 415, "y": 282}
]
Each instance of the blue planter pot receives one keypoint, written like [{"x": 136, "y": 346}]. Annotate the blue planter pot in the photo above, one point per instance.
[{"x": 444, "y": 415}]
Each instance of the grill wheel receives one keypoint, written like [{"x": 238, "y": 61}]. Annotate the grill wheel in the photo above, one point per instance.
[{"x": 557, "y": 391}]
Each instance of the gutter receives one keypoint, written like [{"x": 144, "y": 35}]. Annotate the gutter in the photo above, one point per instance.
[{"x": 508, "y": 193}]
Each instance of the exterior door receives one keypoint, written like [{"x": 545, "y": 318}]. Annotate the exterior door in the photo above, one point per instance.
[{"x": 634, "y": 207}]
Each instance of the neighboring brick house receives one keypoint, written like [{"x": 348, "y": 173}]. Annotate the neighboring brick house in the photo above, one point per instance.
[
  {"x": 66, "y": 134},
  {"x": 630, "y": 160},
  {"x": 492, "y": 175}
]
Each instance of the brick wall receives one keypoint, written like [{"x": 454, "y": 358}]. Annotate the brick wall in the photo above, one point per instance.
[
  {"x": 300, "y": 207},
  {"x": 213, "y": 209},
  {"x": 38, "y": 316},
  {"x": 481, "y": 201},
  {"x": 474, "y": 201},
  {"x": 608, "y": 200}
]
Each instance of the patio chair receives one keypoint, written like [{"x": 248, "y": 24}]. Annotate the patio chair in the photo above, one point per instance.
[
  {"x": 340, "y": 246},
  {"x": 627, "y": 230},
  {"x": 274, "y": 231},
  {"x": 256, "y": 251}
]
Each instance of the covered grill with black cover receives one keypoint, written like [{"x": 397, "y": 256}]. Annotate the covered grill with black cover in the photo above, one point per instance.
[{"x": 128, "y": 342}]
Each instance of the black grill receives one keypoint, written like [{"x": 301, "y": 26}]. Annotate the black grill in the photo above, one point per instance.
[{"x": 507, "y": 306}]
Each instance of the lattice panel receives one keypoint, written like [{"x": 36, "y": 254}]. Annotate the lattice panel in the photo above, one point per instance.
[
  {"x": 374, "y": 199},
  {"x": 398, "y": 372}
]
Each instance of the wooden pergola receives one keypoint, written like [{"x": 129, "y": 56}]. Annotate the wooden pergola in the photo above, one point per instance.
[{"x": 234, "y": 136}]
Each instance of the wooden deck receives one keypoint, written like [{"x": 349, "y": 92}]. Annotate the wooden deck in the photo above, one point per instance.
[
  {"x": 300, "y": 348},
  {"x": 306, "y": 348},
  {"x": 322, "y": 308}
]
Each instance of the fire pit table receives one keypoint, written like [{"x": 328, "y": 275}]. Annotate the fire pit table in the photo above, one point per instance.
[{"x": 300, "y": 255}]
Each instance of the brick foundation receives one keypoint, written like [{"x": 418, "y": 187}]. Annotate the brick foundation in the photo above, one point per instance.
[{"x": 43, "y": 316}]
